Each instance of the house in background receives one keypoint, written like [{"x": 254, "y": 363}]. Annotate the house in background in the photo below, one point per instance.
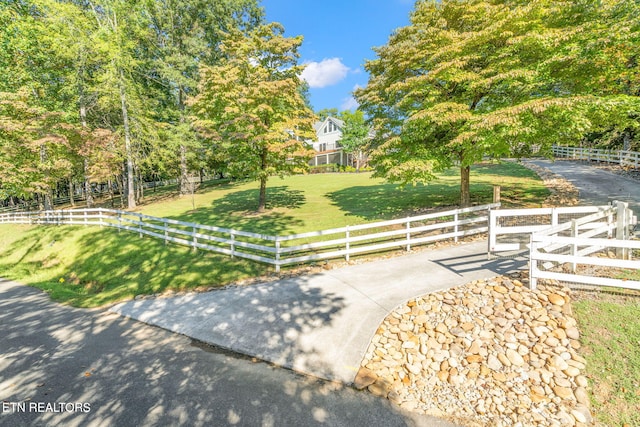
[{"x": 327, "y": 146}]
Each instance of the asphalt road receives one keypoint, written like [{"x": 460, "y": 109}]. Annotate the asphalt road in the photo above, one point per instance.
[
  {"x": 596, "y": 186},
  {"x": 99, "y": 369}
]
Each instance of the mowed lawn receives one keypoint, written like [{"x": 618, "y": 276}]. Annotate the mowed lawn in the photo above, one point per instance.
[{"x": 89, "y": 266}]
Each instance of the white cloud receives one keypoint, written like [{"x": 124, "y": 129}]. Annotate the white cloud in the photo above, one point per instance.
[
  {"x": 324, "y": 73},
  {"x": 349, "y": 103}
]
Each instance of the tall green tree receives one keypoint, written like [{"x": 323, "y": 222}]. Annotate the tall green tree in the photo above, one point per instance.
[
  {"x": 188, "y": 33},
  {"x": 475, "y": 78},
  {"x": 355, "y": 135},
  {"x": 252, "y": 107}
]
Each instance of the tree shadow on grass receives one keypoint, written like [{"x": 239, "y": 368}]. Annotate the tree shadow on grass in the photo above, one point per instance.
[
  {"x": 237, "y": 210},
  {"x": 388, "y": 201},
  {"x": 127, "y": 265}
]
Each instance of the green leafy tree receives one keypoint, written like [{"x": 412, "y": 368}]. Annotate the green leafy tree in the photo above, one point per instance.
[
  {"x": 327, "y": 112},
  {"x": 189, "y": 33},
  {"x": 477, "y": 78},
  {"x": 355, "y": 135},
  {"x": 35, "y": 153},
  {"x": 251, "y": 106}
]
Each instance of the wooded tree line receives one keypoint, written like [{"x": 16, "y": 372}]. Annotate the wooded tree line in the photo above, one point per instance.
[
  {"x": 95, "y": 91},
  {"x": 470, "y": 79}
]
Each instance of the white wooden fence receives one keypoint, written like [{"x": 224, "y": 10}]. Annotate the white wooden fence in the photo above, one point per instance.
[
  {"x": 552, "y": 256},
  {"x": 509, "y": 229},
  {"x": 278, "y": 250},
  {"x": 559, "y": 239},
  {"x": 620, "y": 157}
]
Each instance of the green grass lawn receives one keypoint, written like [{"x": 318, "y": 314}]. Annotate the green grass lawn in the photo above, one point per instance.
[
  {"x": 90, "y": 266},
  {"x": 610, "y": 327}
]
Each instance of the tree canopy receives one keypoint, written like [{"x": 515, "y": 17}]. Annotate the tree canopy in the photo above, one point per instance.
[
  {"x": 470, "y": 79},
  {"x": 114, "y": 75},
  {"x": 355, "y": 135},
  {"x": 251, "y": 105}
]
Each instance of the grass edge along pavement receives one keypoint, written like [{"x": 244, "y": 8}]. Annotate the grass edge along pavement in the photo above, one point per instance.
[{"x": 89, "y": 267}]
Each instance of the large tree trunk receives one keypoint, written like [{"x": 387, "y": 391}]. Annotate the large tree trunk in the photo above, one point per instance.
[
  {"x": 465, "y": 195},
  {"x": 87, "y": 184},
  {"x": 71, "y": 200},
  {"x": 626, "y": 140},
  {"x": 131, "y": 194},
  {"x": 85, "y": 169},
  {"x": 262, "y": 199},
  {"x": 184, "y": 173}
]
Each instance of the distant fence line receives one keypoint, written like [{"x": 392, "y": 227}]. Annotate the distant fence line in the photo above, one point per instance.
[
  {"x": 32, "y": 204},
  {"x": 278, "y": 250},
  {"x": 620, "y": 157}
]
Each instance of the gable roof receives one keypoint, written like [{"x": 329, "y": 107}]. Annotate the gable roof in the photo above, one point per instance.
[{"x": 317, "y": 126}]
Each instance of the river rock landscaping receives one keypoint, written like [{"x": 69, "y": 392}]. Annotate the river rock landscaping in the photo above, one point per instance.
[{"x": 491, "y": 352}]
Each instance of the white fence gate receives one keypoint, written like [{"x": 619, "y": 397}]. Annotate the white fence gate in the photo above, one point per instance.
[
  {"x": 584, "y": 244},
  {"x": 593, "y": 254},
  {"x": 509, "y": 229}
]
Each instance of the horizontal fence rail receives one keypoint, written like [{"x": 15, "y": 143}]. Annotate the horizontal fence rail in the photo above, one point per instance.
[
  {"x": 623, "y": 158},
  {"x": 581, "y": 257},
  {"x": 277, "y": 250}
]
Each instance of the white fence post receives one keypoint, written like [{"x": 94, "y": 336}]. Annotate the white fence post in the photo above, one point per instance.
[
  {"x": 574, "y": 247},
  {"x": 232, "y": 243},
  {"x": 166, "y": 232},
  {"x": 347, "y": 243},
  {"x": 455, "y": 227},
  {"x": 533, "y": 263},
  {"x": 195, "y": 239},
  {"x": 277, "y": 254},
  {"x": 119, "y": 221},
  {"x": 408, "y": 234},
  {"x": 620, "y": 234},
  {"x": 140, "y": 225}
]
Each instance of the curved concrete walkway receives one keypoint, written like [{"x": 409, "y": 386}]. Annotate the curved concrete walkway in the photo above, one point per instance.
[{"x": 318, "y": 324}]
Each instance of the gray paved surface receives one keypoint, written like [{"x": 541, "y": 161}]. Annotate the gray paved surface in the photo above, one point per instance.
[
  {"x": 596, "y": 186},
  {"x": 132, "y": 374},
  {"x": 320, "y": 324}
]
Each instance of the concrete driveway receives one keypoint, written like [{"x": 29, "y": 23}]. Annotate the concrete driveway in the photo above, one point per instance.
[
  {"x": 125, "y": 373},
  {"x": 596, "y": 186},
  {"x": 321, "y": 324}
]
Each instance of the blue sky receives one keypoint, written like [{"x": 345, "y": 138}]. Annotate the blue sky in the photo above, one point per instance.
[{"x": 338, "y": 37}]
